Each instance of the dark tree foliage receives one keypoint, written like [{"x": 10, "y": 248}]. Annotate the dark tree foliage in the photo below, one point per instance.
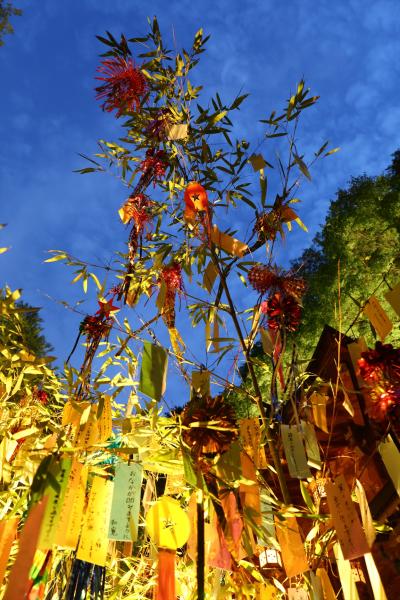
[
  {"x": 32, "y": 331},
  {"x": 7, "y": 10},
  {"x": 360, "y": 240}
]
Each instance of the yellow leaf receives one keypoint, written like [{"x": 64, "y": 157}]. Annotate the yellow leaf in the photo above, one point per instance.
[
  {"x": 61, "y": 256},
  {"x": 16, "y": 295},
  {"x": 95, "y": 279},
  {"x": 25, "y": 433},
  {"x": 333, "y": 151},
  {"x": 301, "y": 224},
  {"x": 78, "y": 277},
  {"x": 18, "y": 383}
]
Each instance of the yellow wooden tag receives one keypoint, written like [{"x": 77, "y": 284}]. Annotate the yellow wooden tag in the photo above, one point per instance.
[
  {"x": 93, "y": 544},
  {"x": 378, "y": 317},
  {"x": 88, "y": 432},
  {"x": 391, "y": 459},
  {"x": 393, "y": 297},
  {"x": 350, "y": 533},
  {"x": 250, "y": 434},
  {"x": 295, "y": 453},
  {"x": 318, "y": 405},
  {"x": 292, "y": 548},
  {"x": 226, "y": 242}
]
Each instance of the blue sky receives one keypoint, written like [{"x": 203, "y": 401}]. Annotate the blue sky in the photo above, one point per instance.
[{"x": 347, "y": 51}]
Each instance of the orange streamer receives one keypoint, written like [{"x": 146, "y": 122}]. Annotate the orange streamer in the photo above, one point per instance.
[{"x": 166, "y": 575}]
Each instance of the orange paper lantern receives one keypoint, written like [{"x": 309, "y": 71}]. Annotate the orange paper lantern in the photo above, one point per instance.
[{"x": 196, "y": 198}]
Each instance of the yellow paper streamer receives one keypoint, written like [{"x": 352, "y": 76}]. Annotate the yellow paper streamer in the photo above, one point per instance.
[
  {"x": 93, "y": 544},
  {"x": 104, "y": 419},
  {"x": 226, "y": 242},
  {"x": 76, "y": 516},
  {"x": 73, "y": 500}
]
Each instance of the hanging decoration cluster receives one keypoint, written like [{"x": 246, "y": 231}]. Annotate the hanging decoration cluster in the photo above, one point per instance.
[{"x": 102, "y": 498}]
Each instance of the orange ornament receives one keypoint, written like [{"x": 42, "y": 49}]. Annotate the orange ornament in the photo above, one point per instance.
[
  {"x": 196, "y": 198},
  {"x": 197, "y": 209}
]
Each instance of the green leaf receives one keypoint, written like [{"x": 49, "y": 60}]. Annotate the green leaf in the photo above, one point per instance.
[
  {"x": 302, "y": 166},
  {"x": 238, "y": 101},
  {"x": 190, "y": 474},
  {"x": 153, "y": 372},
  {"x": 307, "y": 498}
]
